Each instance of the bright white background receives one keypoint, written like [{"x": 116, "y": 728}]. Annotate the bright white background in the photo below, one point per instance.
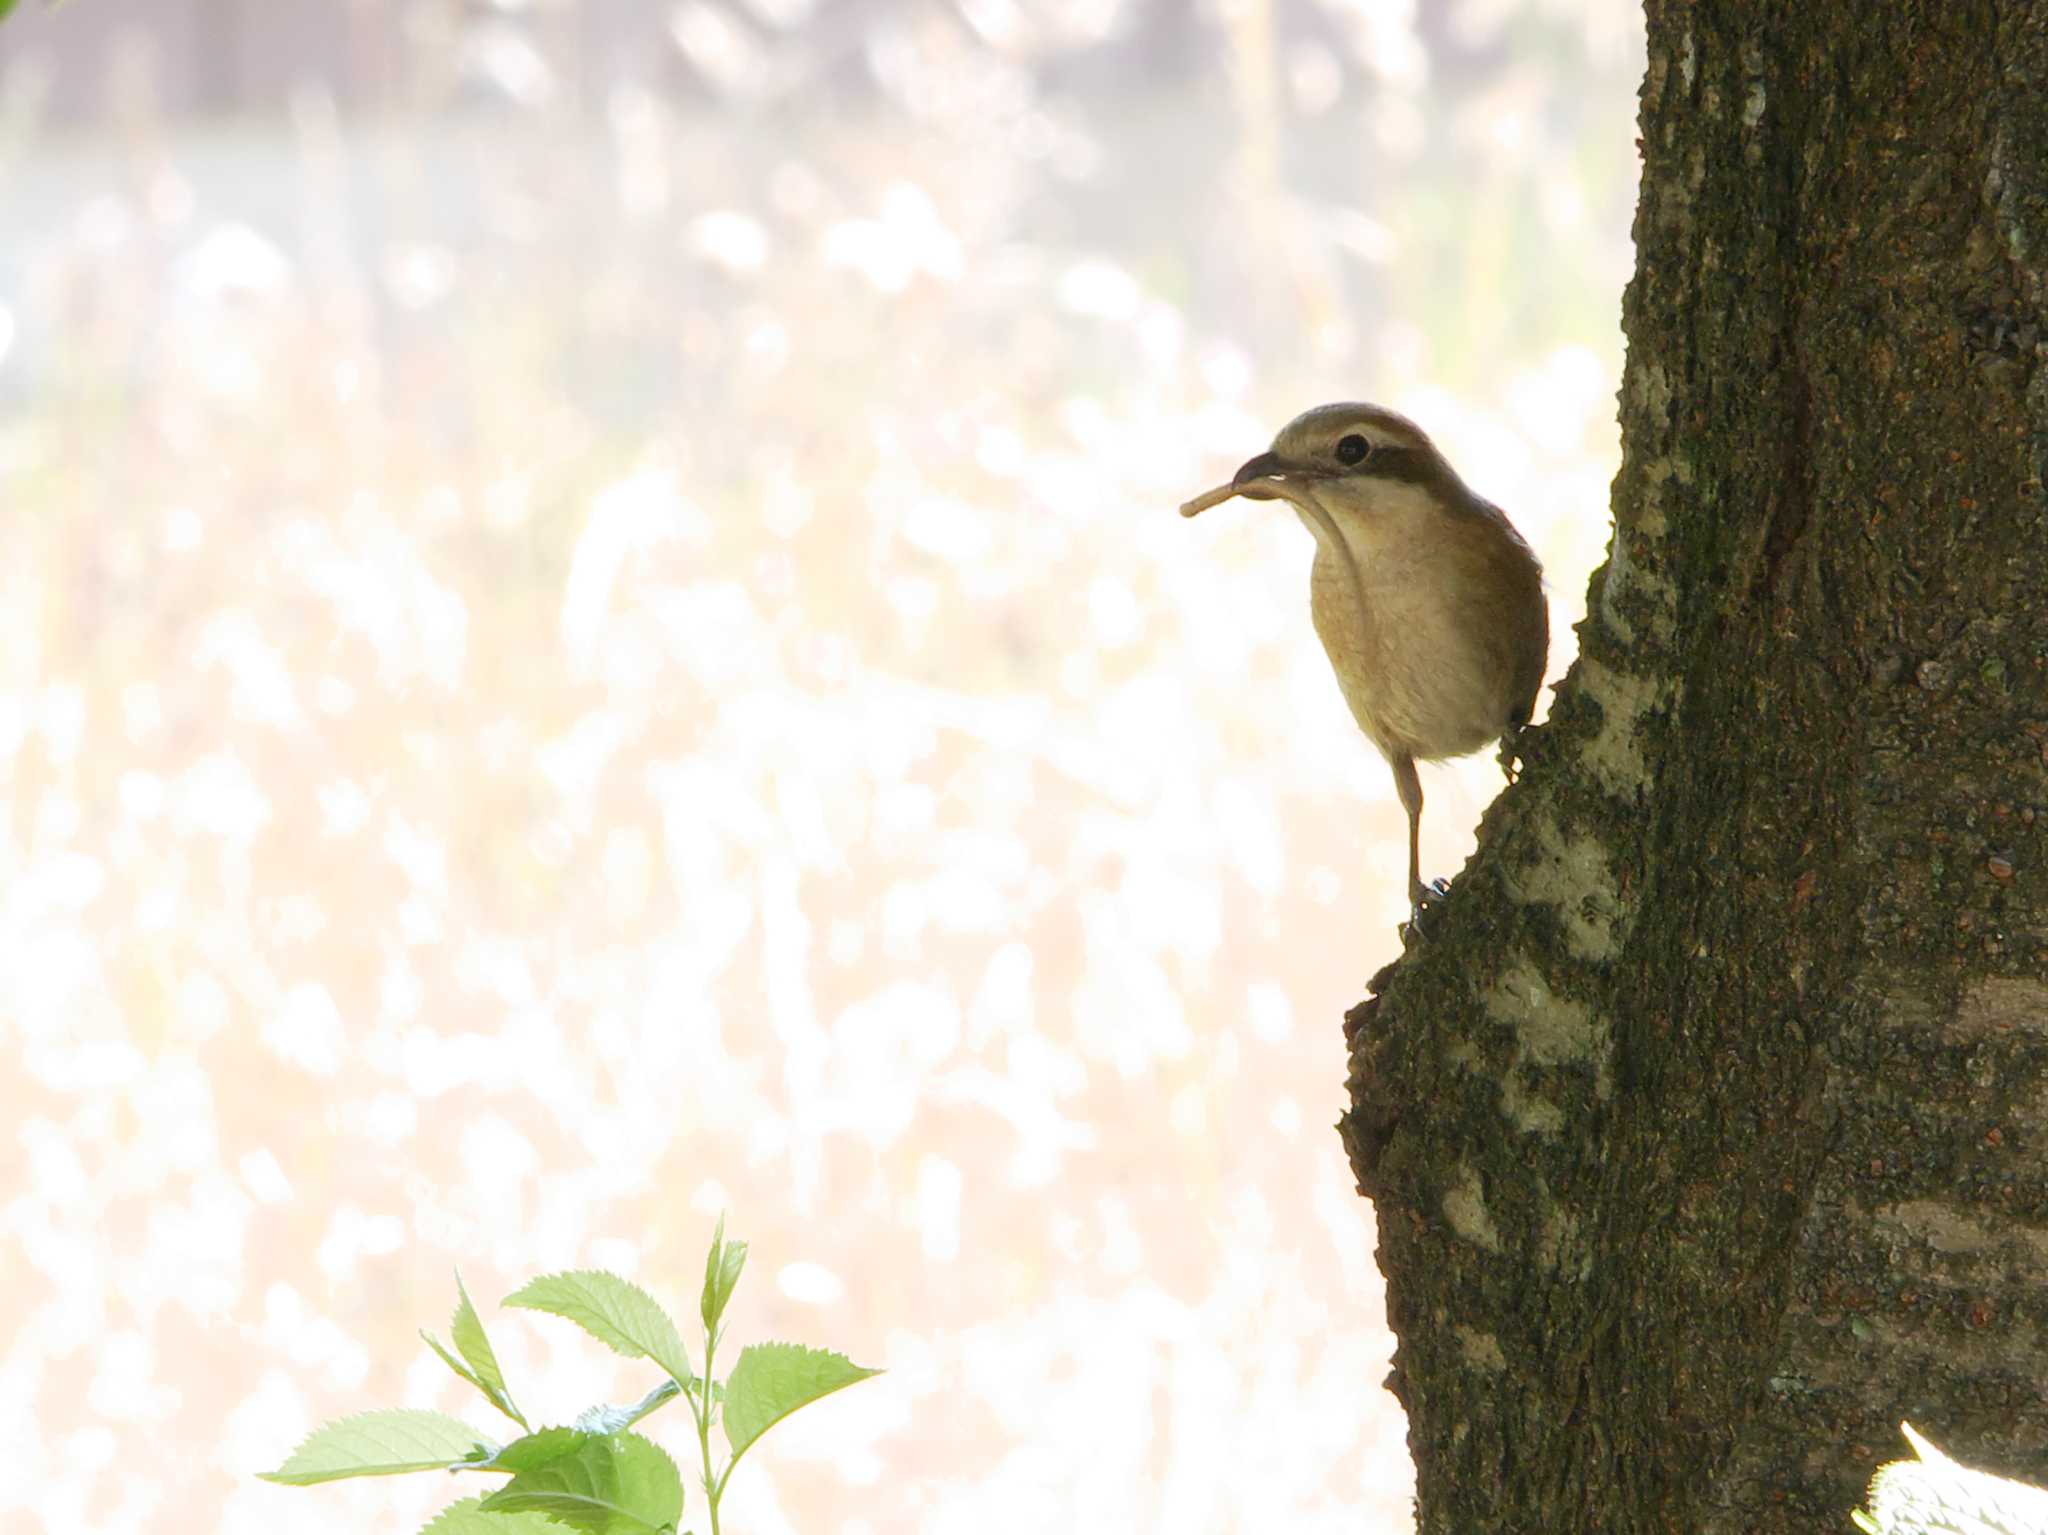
[{"x": 573, "y": 659}]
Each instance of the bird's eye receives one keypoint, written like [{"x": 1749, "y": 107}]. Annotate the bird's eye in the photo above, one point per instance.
[{"x": 1352, "y": 449}]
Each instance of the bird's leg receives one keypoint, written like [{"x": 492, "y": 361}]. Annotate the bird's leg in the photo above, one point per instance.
[{"x": 1408, "y": 784}]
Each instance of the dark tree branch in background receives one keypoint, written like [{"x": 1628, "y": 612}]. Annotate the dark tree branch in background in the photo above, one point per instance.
[{"x": 1706, "y": 1131}]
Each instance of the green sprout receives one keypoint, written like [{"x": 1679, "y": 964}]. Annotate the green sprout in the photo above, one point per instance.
[{"x": 593, "y": 1476}]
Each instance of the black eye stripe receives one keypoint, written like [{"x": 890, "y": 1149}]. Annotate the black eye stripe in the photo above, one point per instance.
[{"x": 1405, "y": 465}]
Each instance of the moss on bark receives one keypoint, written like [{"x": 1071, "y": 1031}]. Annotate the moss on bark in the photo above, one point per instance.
[{"x": 1706, "y": 1133}]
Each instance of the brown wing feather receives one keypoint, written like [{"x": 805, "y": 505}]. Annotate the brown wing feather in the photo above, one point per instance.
[{"x": 1525, "y": 619}]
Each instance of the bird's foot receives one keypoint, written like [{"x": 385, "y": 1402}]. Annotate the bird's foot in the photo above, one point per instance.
[
  {"x": 1512, "y": 757},
  {"x": 1424, "y": 900}
]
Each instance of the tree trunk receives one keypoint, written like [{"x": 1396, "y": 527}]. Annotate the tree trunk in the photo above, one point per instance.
[{"x": 1706, "y": 1129}]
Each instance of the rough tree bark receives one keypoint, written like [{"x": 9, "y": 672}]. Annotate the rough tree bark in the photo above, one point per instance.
[{"x": 1707, "y": 1130}]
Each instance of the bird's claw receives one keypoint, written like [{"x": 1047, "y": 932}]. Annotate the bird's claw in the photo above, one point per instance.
[
  {"x": 1514, "y": 750},
  {"x": 1426, "y": 900}
]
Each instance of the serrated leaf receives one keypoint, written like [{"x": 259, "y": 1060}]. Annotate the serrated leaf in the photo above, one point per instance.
[
  {"x": 468, "y": 1518},
  {"x": 772, "y": 1380},
  {"x": 452, "y": 1362},
  {"x": 536, "y": 1449},
  {"x": 378, "y": 1444},
  {"x": 614, "y": 1484},
  {"x": 615, "y": 1311},
  {"x": 722, "y": 1267},
  {"x": 1938, "y": 1492},
  {"x": 467, "y": 1329}
]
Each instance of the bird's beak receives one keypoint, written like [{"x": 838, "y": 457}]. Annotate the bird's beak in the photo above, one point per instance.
[
  {"x": 1258, "y": 480},
  {"x": 1266, "y": 466}
]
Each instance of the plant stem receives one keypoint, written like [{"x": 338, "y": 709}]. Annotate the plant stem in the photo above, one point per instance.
[{"x": 711, "y": 1488}]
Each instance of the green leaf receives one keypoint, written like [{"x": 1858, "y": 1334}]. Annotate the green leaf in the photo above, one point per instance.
[
  {"x": 468, "y": 1518},
  {"x": 5, "y": 7},
  {"x": 380, "y": 1444},
  {"x": 536, "y": 1450},
  {"x": 478, "y": 1365},
  {"x": 613, "y": 1484},
  {"x": 772, "y": 1380},
  {"x": 616, "y": 1312},
  {"x": 722, "y": 1267},
  {"x": 452, "y": 1362},
  {"x": 468, "y": 1331}
]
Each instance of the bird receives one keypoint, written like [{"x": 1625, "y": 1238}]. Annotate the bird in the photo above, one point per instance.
[{"x": 1428, "y": 603}]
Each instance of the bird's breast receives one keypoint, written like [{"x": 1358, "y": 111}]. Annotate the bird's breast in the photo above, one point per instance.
[{"x": 1418, "y": 653}]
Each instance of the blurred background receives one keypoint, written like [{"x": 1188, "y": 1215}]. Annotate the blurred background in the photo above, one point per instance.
[{"x": 593, "y": 631}]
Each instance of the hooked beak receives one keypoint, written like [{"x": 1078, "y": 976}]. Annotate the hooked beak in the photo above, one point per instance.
[
  {"x": 1265, "y": 478},
  {"x": 1266, "y": 466}
]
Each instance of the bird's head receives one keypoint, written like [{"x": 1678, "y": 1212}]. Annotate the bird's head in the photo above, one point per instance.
[{"x": 1359, "y": 452}]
